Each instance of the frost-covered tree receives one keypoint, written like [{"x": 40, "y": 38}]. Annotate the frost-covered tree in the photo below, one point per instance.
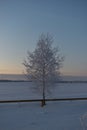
[{"x": 43, "y": 64}]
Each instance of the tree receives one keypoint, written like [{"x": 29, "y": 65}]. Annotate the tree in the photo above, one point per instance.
[{"x": 43, "y": 64}]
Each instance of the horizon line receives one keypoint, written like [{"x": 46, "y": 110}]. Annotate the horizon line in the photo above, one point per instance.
[{"x": 61, "y": 74}]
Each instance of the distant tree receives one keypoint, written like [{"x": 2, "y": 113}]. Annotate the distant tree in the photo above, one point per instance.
[{"x": 43, "y": 64}]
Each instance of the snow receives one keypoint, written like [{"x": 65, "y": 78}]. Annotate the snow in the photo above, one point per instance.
[
  {"x": 55, "y": 115},
  {"x": 68, "y": 115},
  {"x": 24, "y": 90}
]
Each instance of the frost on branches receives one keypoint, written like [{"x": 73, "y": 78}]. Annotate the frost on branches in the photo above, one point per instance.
[{"x": 43, "y": 65}]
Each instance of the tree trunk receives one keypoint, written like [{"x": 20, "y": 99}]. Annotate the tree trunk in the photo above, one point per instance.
[
  {"x": 43, "y": 82},
  {"x": 43, "y": 100}
]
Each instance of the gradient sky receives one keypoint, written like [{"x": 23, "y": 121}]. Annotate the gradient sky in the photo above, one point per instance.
[{"x": 22, "y": 22}]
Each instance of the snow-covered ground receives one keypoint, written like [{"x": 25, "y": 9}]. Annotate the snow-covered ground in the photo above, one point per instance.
[
  {"x": 68, "y": 115},
  {"x": 54, "y": 116},
  {"x": 24, "y": 90}
]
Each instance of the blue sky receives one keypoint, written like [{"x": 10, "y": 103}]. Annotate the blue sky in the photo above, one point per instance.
[{"x": 22, "y": 22}]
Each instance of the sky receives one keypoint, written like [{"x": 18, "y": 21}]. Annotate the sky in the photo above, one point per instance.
[{"x": 23, "y": 21}]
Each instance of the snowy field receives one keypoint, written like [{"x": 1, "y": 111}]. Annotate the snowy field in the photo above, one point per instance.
[
  {"x": 24, "y": 90},
  {"x": 68, "y": 115}
]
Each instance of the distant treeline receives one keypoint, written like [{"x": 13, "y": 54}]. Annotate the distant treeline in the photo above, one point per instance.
[
  {"x": 62, "y": 81},
  {"x": 6, "y": 80},
  {"x": 75, "y": 81}
]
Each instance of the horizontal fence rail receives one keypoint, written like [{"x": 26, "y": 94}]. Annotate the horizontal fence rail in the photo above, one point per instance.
[{"x": 39, "y": 100}]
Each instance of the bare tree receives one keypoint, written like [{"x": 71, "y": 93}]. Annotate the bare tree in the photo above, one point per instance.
[{"x": 43, "y": 64}]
